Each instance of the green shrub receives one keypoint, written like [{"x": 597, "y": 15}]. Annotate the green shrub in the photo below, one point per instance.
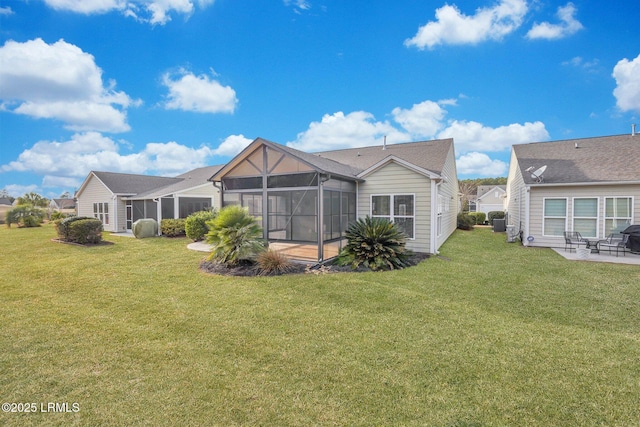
[
  {"x": 173, "y": 227},
  {"x": 25, "y": 216},
  {"x": 195, "y": 225},
  {"x": 495, "y": 214},
  {"x": 87, "y": 230},
  {"x": 57, "y": 215},
  {"x": 465, "y": 221},
  {"x": 479, "y": 217},
  {"x": 273, "y": 263},
  {"x": 235, "y": 235},
  {"x": 62, "y": 226},
  {"x": 375, "y": 243}
]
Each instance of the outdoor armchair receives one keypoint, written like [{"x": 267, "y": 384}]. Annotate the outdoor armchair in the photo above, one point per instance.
[
  {"x": 615, "y": 241},
  {"x": 573, "y": 238}
]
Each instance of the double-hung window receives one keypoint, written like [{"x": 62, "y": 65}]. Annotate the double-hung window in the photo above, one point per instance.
[
  {"x": 555, "y": 217},
  {"x": 617, "y": 214},
  {"x": 585, "y": 216},
  {"x": 397, "y": 208},
  {"x": 101, "y": 212}
]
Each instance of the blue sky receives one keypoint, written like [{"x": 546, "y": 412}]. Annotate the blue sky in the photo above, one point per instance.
[{"x": 164, "y": 86}]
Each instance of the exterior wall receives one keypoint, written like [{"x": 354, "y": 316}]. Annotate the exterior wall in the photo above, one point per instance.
[
  {"x": 539, "y": 193},
  {"x": 96, "y": 192},
  {"x": 449, "y": 190},
  {"x": 207, "y": 190},
  {"x": 516, "y": 197},
  {"x": 396, "y": 179},
  {"x": 489, "y": 202}
]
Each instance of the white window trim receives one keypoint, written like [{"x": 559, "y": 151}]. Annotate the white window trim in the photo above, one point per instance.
[
  {"x": 574, "y": 217},
  {"x": 391, "y": 215},
  {"x": 604, "y": 211},
  {"x": 102, "y": 214},
  {"x": 544, "y": 217}
]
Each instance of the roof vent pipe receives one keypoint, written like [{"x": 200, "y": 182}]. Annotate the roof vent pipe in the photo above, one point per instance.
[
  {"x": 633, "y": 129},
  {"x": 384, "y": 144}
]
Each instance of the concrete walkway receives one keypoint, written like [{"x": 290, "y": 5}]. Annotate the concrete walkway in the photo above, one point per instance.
[
  {"x": 199, "y": 246},
  {"x": 603, "y": 256}
]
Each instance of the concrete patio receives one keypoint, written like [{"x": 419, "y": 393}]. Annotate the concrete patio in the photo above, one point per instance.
[{"x": 603, "y": 256}]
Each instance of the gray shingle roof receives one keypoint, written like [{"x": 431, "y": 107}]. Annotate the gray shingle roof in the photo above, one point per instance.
[
  {"x": 601, "y": 159},
  {"x": 429, "y": 155},
  {"x": 185, "y": 181},
  {"x": 131, "y": 184}
]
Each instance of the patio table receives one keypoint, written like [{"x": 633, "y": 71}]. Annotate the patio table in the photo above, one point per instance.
[{"x": 593, "y": 245}]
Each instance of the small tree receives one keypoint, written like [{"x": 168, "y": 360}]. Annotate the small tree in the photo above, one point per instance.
[
  {"x": 235, "y": 235},
  {"x": 376, "y": 243},
  {"x": 33, "y": 199}
]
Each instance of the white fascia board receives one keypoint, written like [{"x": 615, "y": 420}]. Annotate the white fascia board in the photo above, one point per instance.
[{"x": 401, "y": 162}]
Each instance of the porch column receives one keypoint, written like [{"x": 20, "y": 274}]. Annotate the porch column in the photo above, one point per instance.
[{"x": 320, "y": 218}]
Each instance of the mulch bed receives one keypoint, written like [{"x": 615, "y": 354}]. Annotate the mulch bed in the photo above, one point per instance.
[{"x": 252, "y": 270}]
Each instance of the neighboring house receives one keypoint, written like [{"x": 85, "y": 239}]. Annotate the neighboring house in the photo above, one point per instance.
[
  {"x": 589, "y": 185},
  {"x": 119, "y": 199},
  {"x": 312, "y": 198},
  {"x": 65, "y": 206},
  {"x": 491, "y": 198},
  {"x": 5, "y": 206}
]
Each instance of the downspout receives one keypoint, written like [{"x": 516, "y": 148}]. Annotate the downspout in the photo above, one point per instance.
[
  {"x": 527, "y": 197},
  {"x": 219, "y": 192},
  {"x": 158, "y": 213},
  {"x": 320, "y": 234},
  {"x": 434, "y": 218}
]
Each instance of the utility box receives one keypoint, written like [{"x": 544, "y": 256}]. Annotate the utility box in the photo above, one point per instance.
[
  {"x": 147, "y": 227},
  {"x": 499, "y": 225}
]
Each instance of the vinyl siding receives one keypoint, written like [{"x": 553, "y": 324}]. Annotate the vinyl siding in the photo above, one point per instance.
[
  {"x": 96, "y": 192},
  {"x": 207, "y": 190},
  {"x": 449, "y": 190},
  {"x": 396, "y": 179},
  {"x": 516, "y": 196},
  {"x": 538, "y": 194}
]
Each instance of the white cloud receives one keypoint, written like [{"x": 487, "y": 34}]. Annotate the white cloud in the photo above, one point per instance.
[
  {"x": 627, "y": 91},
  {"x": 61, "y": 82},
  {"x": 232, "y": 145},
  {"x": 473, "y": 136},
  {"x": 356, "y": 129},
  {"x": 6, "y": 11},
  {"x": 570, "y": 25},
  {"x": 201, "y": 94},
  {"x": 70, "y": 161},
  {"x": 298, "y": 5},
  {"x": 475, "y": 163},
  {"x": 453, "y": 27},
  {"x": 17, "y": 190},
  {"x": 423, "y": 119},
  {"x": 153, "y": 11}
]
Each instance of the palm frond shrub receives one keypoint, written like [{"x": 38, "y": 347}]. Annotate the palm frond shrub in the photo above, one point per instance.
[
  {"x": 375, "y": 243},
  {"x": 273, "y": 263},
  {"x": 235, "y": 236}
]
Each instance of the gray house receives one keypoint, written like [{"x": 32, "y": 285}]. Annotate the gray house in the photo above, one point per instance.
[
  {"x": 590, "y": 185},
  {"x": 306, "y": 201},
  {"x": 490, "y": 198},
  {"x": 119, "y": 199}
]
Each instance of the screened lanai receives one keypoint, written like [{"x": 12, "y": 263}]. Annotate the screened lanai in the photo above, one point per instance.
[{"x": 304, "y": 202}]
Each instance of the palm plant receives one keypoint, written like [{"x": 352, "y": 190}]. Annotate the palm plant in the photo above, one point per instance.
[
  {"x": 376, "y": 243},
  {"x": 235, "y": 236}
]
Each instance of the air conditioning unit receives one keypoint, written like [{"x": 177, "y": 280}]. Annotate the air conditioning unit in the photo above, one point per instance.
[{"x": 512, "y": 234}]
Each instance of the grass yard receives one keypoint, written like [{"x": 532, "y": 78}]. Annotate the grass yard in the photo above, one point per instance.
[{"x": 488, "y": 334}]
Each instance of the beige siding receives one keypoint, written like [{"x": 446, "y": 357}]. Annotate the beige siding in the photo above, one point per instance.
[
  {"x": 95, "y": 192},
  {"x": 449, "y": 190},
  {"x": 396, "y": 179},
  {"x": 538, "y": 194},
  {"x": 516, "y": 196},
  {"x": 207, "y": 190}
]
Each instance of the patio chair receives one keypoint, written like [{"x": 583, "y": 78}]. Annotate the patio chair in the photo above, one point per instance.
[
  {"x": 615, "y": 241},
  {"x": 573, "y": 238}
]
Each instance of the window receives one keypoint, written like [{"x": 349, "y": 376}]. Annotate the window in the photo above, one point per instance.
[
  {"x": 617, "y": 214},
  {"x": 585, "y": 216},
  {"x": 397, "y": 208},
  {"x": 555, "y": 217},
  {"x": 101, "y": 212},
  {"x": 443, "y": 206}
]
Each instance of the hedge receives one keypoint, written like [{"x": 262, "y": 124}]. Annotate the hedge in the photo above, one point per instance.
[
  {"x": 172, "y": 227},
  {"x": 465, "y": 221},
  {"x": 85, "y": 231},
  {"x": 196, "y": 224},
  {"x": 495, "y": 214},
  {"x": 63, "y": 226},
  {"x": 480, "y": 217}
]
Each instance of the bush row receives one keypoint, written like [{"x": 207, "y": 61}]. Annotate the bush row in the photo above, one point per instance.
[
  {"x": 479, "y": 217},
  {"x": 173, "y": 227}
]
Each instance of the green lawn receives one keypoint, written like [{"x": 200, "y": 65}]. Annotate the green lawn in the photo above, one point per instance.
[{"x": 488, "y": 334}]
